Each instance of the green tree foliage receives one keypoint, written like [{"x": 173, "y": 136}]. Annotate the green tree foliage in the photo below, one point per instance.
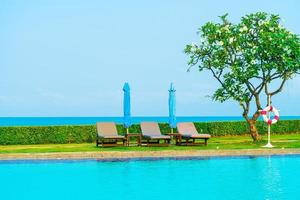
[{"x": 247, "y": 57}]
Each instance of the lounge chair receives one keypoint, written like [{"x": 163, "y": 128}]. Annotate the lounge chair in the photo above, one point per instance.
[
  {"x": 152, "y": 135},
  {"x": 107, "y": 135},
  {"x": 188, "y": 132}
]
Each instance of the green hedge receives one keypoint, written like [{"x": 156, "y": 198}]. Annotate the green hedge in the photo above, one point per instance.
[{"x": 87, "y": 133}]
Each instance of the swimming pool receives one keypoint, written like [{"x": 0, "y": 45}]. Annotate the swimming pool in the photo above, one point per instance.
[{"x": 276, "y": 177}]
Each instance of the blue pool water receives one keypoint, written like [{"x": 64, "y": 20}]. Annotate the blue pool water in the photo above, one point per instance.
[
  {"x": 45, "y": 121},
  {"x": 213, "y": 178}
]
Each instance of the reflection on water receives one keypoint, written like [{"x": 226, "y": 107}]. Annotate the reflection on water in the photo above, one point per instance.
[{"x": 271, "y": 180}]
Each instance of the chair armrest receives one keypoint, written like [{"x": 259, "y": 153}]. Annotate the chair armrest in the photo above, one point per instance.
[
  {"x": 99, "y": 136},
  {"x": 173, "y": 134},
  {"x": 133, "y": 134}
]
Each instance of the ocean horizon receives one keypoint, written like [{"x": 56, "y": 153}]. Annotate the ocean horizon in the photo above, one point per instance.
[{"x": 55, "y": 121}]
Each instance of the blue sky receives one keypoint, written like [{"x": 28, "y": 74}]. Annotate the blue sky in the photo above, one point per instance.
[{"x": 71, "y": 58}]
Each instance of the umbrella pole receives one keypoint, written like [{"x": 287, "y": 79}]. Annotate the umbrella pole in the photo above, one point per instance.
[
  {"x": 127, "y": 131},
  {"x": 172, "y": 130}
]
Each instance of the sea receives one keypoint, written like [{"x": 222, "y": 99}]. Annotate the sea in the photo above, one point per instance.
[{"x": 49, "y": 121}]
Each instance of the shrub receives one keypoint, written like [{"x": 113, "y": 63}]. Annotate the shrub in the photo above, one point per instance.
[{"x": 87, "y": 133}]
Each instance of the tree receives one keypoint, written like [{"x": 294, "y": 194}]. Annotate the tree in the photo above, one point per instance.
[{"x": 246, "y": 58}]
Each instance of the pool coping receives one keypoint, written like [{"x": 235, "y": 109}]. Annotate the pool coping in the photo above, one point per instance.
[{"x": 125, "y": 155}]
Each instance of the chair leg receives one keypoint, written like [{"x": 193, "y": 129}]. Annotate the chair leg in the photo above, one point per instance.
[{"x": 179, "y": 140}]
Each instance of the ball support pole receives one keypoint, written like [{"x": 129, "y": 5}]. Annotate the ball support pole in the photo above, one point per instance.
[{"x": 269, "y": 145}]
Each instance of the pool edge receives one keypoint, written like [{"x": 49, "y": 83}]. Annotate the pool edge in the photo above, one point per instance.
[{"x": 119, "y": 155}]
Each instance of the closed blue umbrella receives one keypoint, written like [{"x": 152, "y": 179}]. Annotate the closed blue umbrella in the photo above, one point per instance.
[
  {"x": 126, "y": 106},
  {"x": 172, "y": 107}
]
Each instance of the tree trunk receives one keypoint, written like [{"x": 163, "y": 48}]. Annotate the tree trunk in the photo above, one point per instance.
[{"x": 253, "y": 131}]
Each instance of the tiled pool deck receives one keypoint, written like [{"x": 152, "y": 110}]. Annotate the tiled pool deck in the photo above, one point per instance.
[{"x": 119, "y": 155}]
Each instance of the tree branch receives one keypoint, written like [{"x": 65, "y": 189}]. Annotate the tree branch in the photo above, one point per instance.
[
  {"x": 280, "y": 87},
  {"x": 217, "y": 76}
]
